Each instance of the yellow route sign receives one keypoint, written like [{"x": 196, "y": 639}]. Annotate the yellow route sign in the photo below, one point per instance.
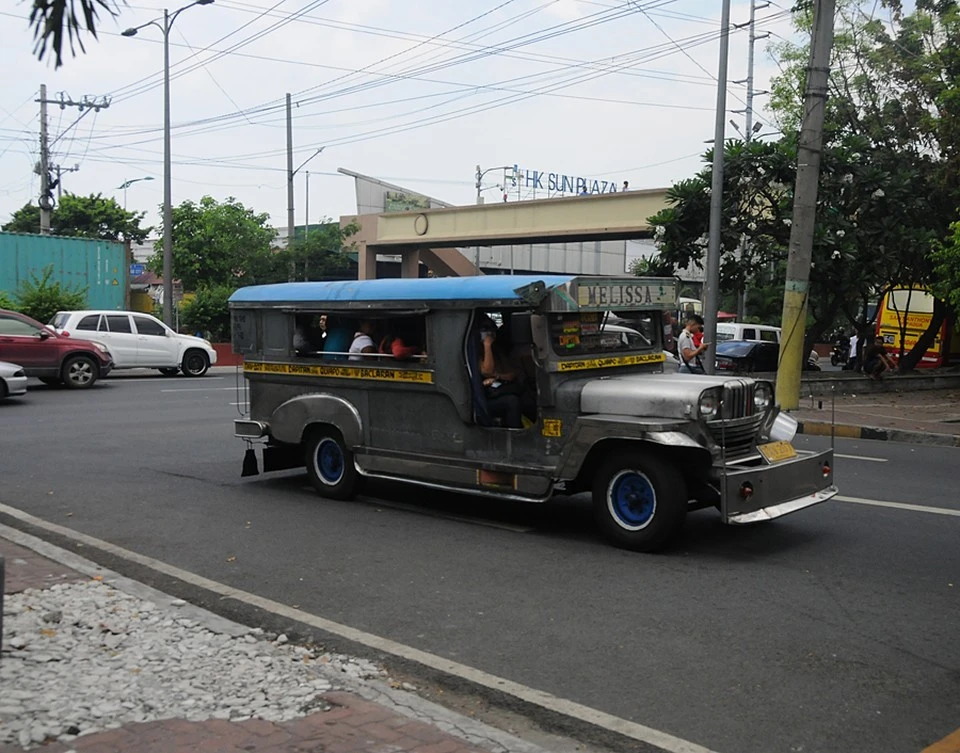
[{"x": 331, "y": 371}]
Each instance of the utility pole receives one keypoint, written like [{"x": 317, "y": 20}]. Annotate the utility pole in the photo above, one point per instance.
[
  {"x": 796, "y": 289},
  {"x": 748, "y": 129},
  {"x": 290, "y": 180},
  {"x": 85, "y": 105},
  {"x": 711, "y": 298},
  {"x": 59, "y": 170},
  {"x": 46, "y": 200}
]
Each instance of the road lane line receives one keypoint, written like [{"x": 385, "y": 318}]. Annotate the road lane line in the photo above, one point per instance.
[
  {"x": 899, "y": 505},
  {"x": 202, "y": 389},
  {"x": 949, "y": 744},
  {"x": 861, "y": 457},
  {"x": 548, "y": 701}
]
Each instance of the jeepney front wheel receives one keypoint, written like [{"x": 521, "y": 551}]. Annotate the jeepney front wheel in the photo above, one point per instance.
[
  {"x": 639, "y": 501},
  {"x": 330, "y": 465}
]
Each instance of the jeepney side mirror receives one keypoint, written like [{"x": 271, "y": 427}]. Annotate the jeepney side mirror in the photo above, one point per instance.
[{"x": 520, "y": 329}]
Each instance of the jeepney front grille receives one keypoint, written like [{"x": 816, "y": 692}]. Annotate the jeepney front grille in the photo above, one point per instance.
[{"x": 737, "y": 427}]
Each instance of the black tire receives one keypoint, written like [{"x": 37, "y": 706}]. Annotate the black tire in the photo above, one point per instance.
[
  {"x": 3, "y": 389},
  {"x": 834, "y": 360},
  {"x": 639, "y": 500},
  {"x": 195, "y": 363},
  {"x": 173, "y": 371},
  {"x": 51, "y": 381},
  {"x": 79, "y": 372},
  {"x": 330, "y": 464}
]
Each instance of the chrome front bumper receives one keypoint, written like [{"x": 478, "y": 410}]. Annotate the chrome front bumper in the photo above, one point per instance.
[{"x": 777, "y": 489}]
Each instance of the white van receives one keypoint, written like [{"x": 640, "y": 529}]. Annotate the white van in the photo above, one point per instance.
[
  {"x": 139, "y": 341},
  {"x": 754, "y": 332}
]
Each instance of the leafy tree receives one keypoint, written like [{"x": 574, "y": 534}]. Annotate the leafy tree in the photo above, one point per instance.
[
  {"x": 217, "y": 243},
  {"x": 51, "y": 19},
  {"x": 93, "y": 216},
  {"x": 40, "y": 298},
  {"x": 208, "y": 312},
  {"x": 946, "y": 257},
  {"x": 6, "y": 302}
]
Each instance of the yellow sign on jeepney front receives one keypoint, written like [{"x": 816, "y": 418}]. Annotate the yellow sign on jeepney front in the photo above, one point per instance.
[
  {"x": 625, "y": 294},
  {"x": 604, "y": 363}
]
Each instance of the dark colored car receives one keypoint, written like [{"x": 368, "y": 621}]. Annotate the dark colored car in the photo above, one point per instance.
[
  {"x": 749, "y": 356},
  {"x": 51, "y": 357}
]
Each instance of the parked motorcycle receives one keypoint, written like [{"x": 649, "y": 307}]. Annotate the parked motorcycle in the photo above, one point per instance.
[{"x": 841, "y": 351}]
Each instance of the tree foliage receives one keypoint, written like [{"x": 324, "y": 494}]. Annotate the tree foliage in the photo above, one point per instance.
[
  {"x": 40, "y": 297},
  {"x": 53, "y": 19},
  {"x": 946, "y": 258},
  {"x": 93, "y": 216},
  {"x": 208, "y": 312}
]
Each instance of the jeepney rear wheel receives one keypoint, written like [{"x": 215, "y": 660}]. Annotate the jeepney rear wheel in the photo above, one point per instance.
[
  {"x": 639, "y": 502},
  {"x": 330, "y": 465}
]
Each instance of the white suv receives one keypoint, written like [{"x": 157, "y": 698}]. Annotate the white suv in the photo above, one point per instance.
[{"x": 139, "y": 341}]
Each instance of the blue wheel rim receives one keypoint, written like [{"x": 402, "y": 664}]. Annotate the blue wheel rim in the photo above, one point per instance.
[
  {"x": 329, "y": 461},
  {"x": 631, "y": 500}
]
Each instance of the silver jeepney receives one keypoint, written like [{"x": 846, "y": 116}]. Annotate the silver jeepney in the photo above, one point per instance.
[{"x": 649, "y": 445}]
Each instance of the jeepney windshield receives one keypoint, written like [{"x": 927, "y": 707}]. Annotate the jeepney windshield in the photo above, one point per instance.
[{"x": 601, "y": 333}]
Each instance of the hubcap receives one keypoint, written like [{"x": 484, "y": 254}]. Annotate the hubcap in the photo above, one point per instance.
[
  {"x": 194, "y": 364},
  {"x": 631, "y": 500},
  {"x": 80, "y": 372},
  {"x": 329, "y": 462}
]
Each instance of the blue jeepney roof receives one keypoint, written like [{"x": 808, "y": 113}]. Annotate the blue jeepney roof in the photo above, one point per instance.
[{"x": 446, "y": 289}]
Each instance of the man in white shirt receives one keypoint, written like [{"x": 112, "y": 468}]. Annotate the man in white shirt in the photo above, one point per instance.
[
  {"x": 687, "y": 352},
  {"x": 363, "y": 341}
]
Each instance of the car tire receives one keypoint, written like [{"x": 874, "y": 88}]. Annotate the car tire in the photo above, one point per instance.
[
  {"x": 639, "y": 501},
  {"x": 330, "y": 465},
  {"x": 79, "y": 372},
  {"x": 172, "y": 371},
  {"x": 3, "y": 390},
  {"x": 195, "y": 363}
]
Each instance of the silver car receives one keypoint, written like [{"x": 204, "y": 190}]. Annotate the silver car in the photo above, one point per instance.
[{"x": 13, "y": 380}]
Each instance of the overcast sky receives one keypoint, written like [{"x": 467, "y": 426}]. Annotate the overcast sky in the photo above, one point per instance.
[{"x": 416, "y": 93}]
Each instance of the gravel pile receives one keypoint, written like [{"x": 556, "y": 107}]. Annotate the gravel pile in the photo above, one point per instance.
[{"x": 83, "y": 657}]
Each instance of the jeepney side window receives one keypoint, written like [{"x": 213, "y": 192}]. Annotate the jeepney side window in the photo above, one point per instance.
[
  {"x": 244, "y": 331},
  {"x": 598, "y": 333},
  {"x": 275, "y": 339}
]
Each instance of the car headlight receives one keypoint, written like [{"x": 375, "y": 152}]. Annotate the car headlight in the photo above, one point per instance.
[
  {"x": 101, "y": 347},
  {"x": 709, "y": 405},
  {"x": 762, "y": 396},
  {"x": 208, "y": 344}
]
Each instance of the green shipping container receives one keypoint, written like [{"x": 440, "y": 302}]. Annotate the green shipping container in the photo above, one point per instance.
[{"x": 99, "y": 266}]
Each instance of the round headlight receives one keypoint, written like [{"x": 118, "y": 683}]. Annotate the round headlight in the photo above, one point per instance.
[
  {"x": 709, "y": 405},
  {"x": 762, "y": 396}
]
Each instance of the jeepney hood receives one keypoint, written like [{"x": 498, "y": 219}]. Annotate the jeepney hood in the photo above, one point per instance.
[{"x": 665, "y": 395}]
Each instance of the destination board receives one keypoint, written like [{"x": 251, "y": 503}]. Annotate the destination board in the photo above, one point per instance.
[
  {"x": 331, "y": 371},
  {"x": 619, "y": 294}
]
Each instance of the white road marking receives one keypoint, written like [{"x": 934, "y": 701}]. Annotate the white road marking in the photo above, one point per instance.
[
  {"x": 201, "y": 389},
  {"x": 540, "y": 698},
  {"x": 861, "y": 457},
  {"x": 243, "y": 403},
  {"x": 899, "y": 505}
]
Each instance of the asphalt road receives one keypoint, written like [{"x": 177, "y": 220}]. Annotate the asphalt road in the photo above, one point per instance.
[{"x": 835, "y": 629}]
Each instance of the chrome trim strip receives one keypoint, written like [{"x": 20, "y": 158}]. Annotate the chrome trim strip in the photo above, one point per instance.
[
  {"x": 784, "y": 508},
  {"x": 456, "y": 489}
]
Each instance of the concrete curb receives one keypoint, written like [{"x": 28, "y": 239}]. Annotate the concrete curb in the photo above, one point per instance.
[{"x": 848, "y": 431}]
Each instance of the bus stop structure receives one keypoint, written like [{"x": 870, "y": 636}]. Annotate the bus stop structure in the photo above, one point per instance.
[{"x": 435, "y": 236}]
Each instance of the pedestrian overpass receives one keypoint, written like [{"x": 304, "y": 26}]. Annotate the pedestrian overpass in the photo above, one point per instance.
[{"x": 434, "y": 236}]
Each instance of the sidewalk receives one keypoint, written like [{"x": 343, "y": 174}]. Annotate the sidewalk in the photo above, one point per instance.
[
  {"x": 90, "y": 665},
  {"x": 921, "y": 416}
]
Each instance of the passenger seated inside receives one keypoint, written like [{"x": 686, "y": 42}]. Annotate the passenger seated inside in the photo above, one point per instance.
[
  {"x": 502, "y": 381},
  {"x": 337, "y": 342},
  {"x": 363, "y": 341},
  {"x": 307, "y": 335},
  {"x": 400, "y": 341}
]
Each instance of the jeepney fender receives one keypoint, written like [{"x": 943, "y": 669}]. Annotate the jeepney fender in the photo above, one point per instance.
[
  {"x": 291, "y": 419},
  {"x": 590, "y": 430}
]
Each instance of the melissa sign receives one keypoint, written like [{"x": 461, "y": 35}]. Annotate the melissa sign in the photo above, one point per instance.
[{"x": 552, "y": 182}]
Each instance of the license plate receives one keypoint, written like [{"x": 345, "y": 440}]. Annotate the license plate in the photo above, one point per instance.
[{"x": 774, "y": 452}]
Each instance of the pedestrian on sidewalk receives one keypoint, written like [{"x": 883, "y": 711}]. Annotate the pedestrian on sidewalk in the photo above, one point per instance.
[
  {"x": 687, "y": 350},
  {"x": 852, "y": 362}
]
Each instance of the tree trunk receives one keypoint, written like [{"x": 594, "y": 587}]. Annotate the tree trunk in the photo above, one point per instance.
[{"x": 909, "y": 361}]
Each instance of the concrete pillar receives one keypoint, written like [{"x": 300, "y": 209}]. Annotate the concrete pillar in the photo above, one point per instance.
[
  {"x": 366, "y": 261},
  {"x": 410, "y": 262}
]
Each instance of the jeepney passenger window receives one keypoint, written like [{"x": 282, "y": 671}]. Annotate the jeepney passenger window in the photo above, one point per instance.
[
  {"x": 244, "y": 331},
  {"x": 601, "y": 333},
  {"x": 275, "y": 339}
]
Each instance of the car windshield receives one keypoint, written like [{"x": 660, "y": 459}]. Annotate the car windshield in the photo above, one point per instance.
[
  {"x": 59, "y": 320},
  {"x": 735, "y": 348},
  {"x": 592, "y": 333}
]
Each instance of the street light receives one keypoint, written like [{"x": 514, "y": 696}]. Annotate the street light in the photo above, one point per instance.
[
  {"x": 127, "y": 183},
  {"x": 168, "y": 19},
  {"x": 480, "y": 174}
]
